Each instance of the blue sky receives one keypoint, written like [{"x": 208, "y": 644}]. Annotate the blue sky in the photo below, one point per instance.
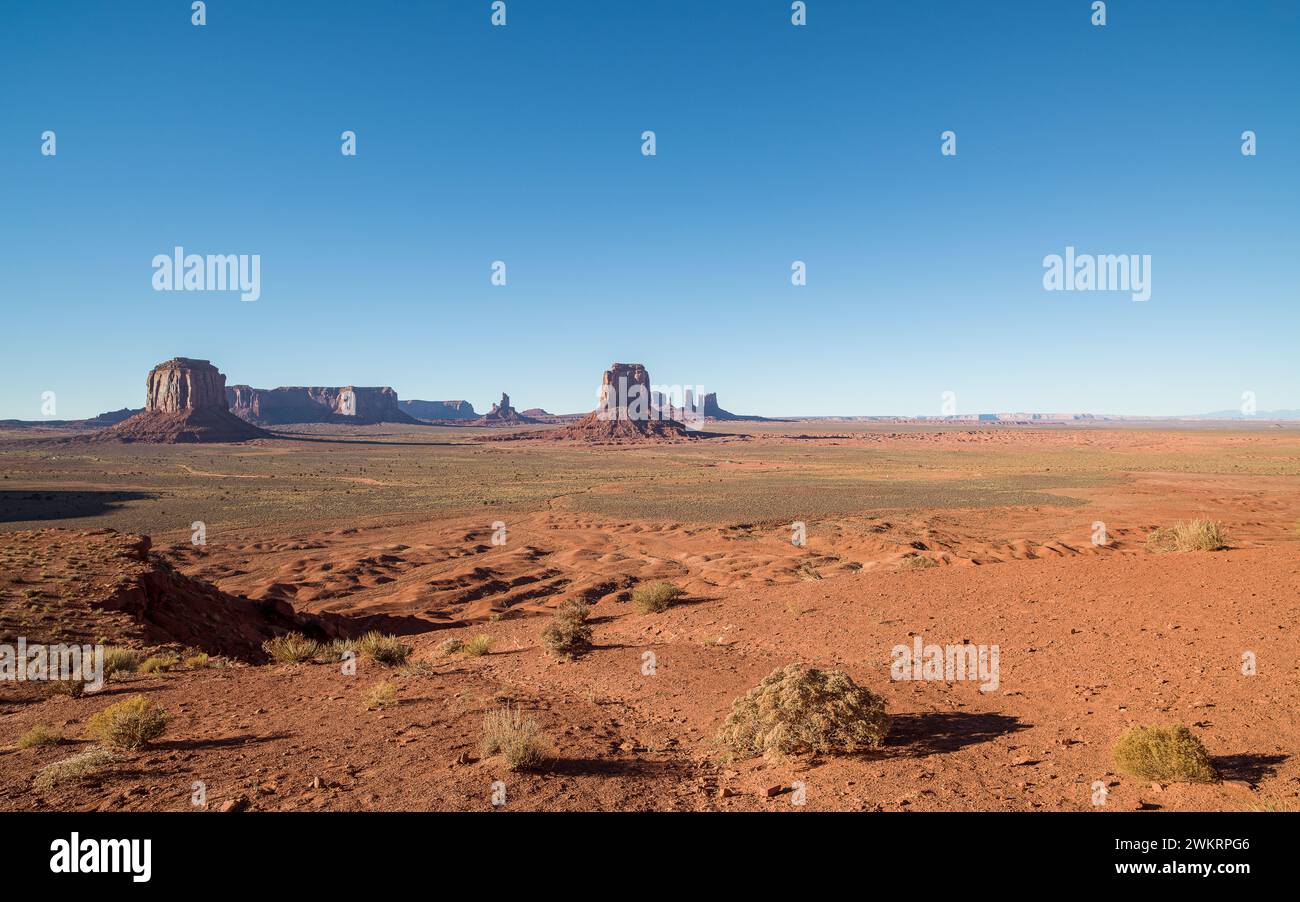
[{"x": 775, "y": 143}]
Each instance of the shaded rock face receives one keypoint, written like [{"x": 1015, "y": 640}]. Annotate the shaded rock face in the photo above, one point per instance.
[
  {"x": 316, "y": 404},
  {"x": 439, "y": 410},
  {"x": 711, "y": 408},
  {"x": 183, "y": 383}
]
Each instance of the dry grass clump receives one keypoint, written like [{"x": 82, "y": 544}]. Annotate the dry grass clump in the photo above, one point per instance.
[
  {"x": 1164, "y": 754},
  {"x": 476, "y": 647},
  {"x": 797, "y": 709},
  {"x": 517, "y": 738},
  {"x": 568, "y": 635},
  {"x": 291, "y": 648},
  {"x": 381, "y": 695},
  {"x": 74, "y": 687},
  {"x": 917, "y": 562},
  {"x": 129, "y": 724},
  {"x": 1198, "y": 535},
  {"x": 449, "y": 647},
  {"x": 159, "y": 663},
  {"x": 38, "y": 737},
  {"x": 120, "y": 660},
  {"x": 382, "y": 649},
  {"x": 78, "y": 767},
  {"x": 655, "y": 598}
]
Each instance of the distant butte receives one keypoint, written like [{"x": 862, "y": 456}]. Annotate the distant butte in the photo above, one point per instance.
[{"x": 185, "y": 403}]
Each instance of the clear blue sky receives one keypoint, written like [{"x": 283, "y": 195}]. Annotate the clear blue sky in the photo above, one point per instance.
[{"x": 775, "y": 144}]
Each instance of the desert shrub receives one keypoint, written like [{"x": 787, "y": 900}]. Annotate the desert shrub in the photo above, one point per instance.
[
  {"x": 517, "y": 738},
  {"x": 118, "y": 660},
  {"x": 917, "y": 562},
  {"x": 38, "y": 736},
  {"x": 78, "y": 767},
  {"x": 655, "y": 598},
  {"x": 291, "y": 648},
  {"x": 478, "y": 646},
  {"x": 381, "y": 695},
  {"x": 129, "y": 724},
  {"x": 1166, "y": 754},
  {"x": 568, "y": 635},
  {"x": 418, "y": 667},
  {"x": 798, "y": 709},
  {"x": 334, "y": 650},
  {"x": 75, "y": 687},
  {"x": 1198, "y": 535},
  {"x": 159, "y": 663},
  {"x": 450, "y": 647},
  {"x": 382, "y": 649},
  {"x": 197, "y": 660}
]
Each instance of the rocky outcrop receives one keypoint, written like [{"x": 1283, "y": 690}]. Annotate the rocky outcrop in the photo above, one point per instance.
[
  {"x": 185, "y": 402},
  {"x": 626, "y": 413},
  {"x": 316, "y": 404},
  {"x": 128, "y": 595},
  {"x": 439, "y": 410},
  {"x": 502, "y": 414}
]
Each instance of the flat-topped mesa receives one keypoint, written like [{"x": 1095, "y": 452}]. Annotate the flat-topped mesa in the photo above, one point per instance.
[
  {"x": 316, "y": 404},
  {"x": 183, "y": 383},
  {"x": 625, "y": 394},
  {"x": 439, "y": 410}
]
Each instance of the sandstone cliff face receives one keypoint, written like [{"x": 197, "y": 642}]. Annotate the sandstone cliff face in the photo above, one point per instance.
[
  {"x": 185, "y": 402},
  {"x": 185, "y": 384},
  {"x": 316, "y": 404}
]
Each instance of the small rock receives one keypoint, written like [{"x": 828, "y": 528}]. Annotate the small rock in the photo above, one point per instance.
[{"x": 238, "y": 804}]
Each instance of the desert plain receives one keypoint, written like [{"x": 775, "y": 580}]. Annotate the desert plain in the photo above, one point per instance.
[{"x": 1034, "y": 540}]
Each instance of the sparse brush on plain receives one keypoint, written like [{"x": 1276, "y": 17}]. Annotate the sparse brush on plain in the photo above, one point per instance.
[
  {"x": 568, "y": 635},
  {"x": 291, "y": 648},
  {"x": 78, "y": 767},
  {"x": 197, "y": 661},
  {"x": 797, "y": 709},
  {"x": 382, "y": 649},
  {"x": 516, "y": 737},
  {"x": 917, "y": 562},
  {"x": 1198, "y": 535},
  {"x": 38, "y": 737},
  {"x": 1165, "y": 754},
  {"x": 655, "y": 598},
  {"x": 381, "y": 695},
  {"x": 129, "y": 724},
  {"x": 119, "y": 660},
  {"x": 477, "y": 647}
]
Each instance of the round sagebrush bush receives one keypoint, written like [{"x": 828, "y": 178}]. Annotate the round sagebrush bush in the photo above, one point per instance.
[
  {"x": 797, "y": 709},
  {"x": 655, "y": 598},
  {"x": 1165, "y": 754},
  {"x": 568, "y": 635},
  {"x": 130, "y": 724}
]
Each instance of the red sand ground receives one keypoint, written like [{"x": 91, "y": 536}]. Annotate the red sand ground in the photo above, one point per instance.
[{"x": 1092, "y": 640}]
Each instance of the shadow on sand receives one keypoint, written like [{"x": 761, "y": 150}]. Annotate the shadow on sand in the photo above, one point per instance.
[{"x": 17, "y": 506}]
